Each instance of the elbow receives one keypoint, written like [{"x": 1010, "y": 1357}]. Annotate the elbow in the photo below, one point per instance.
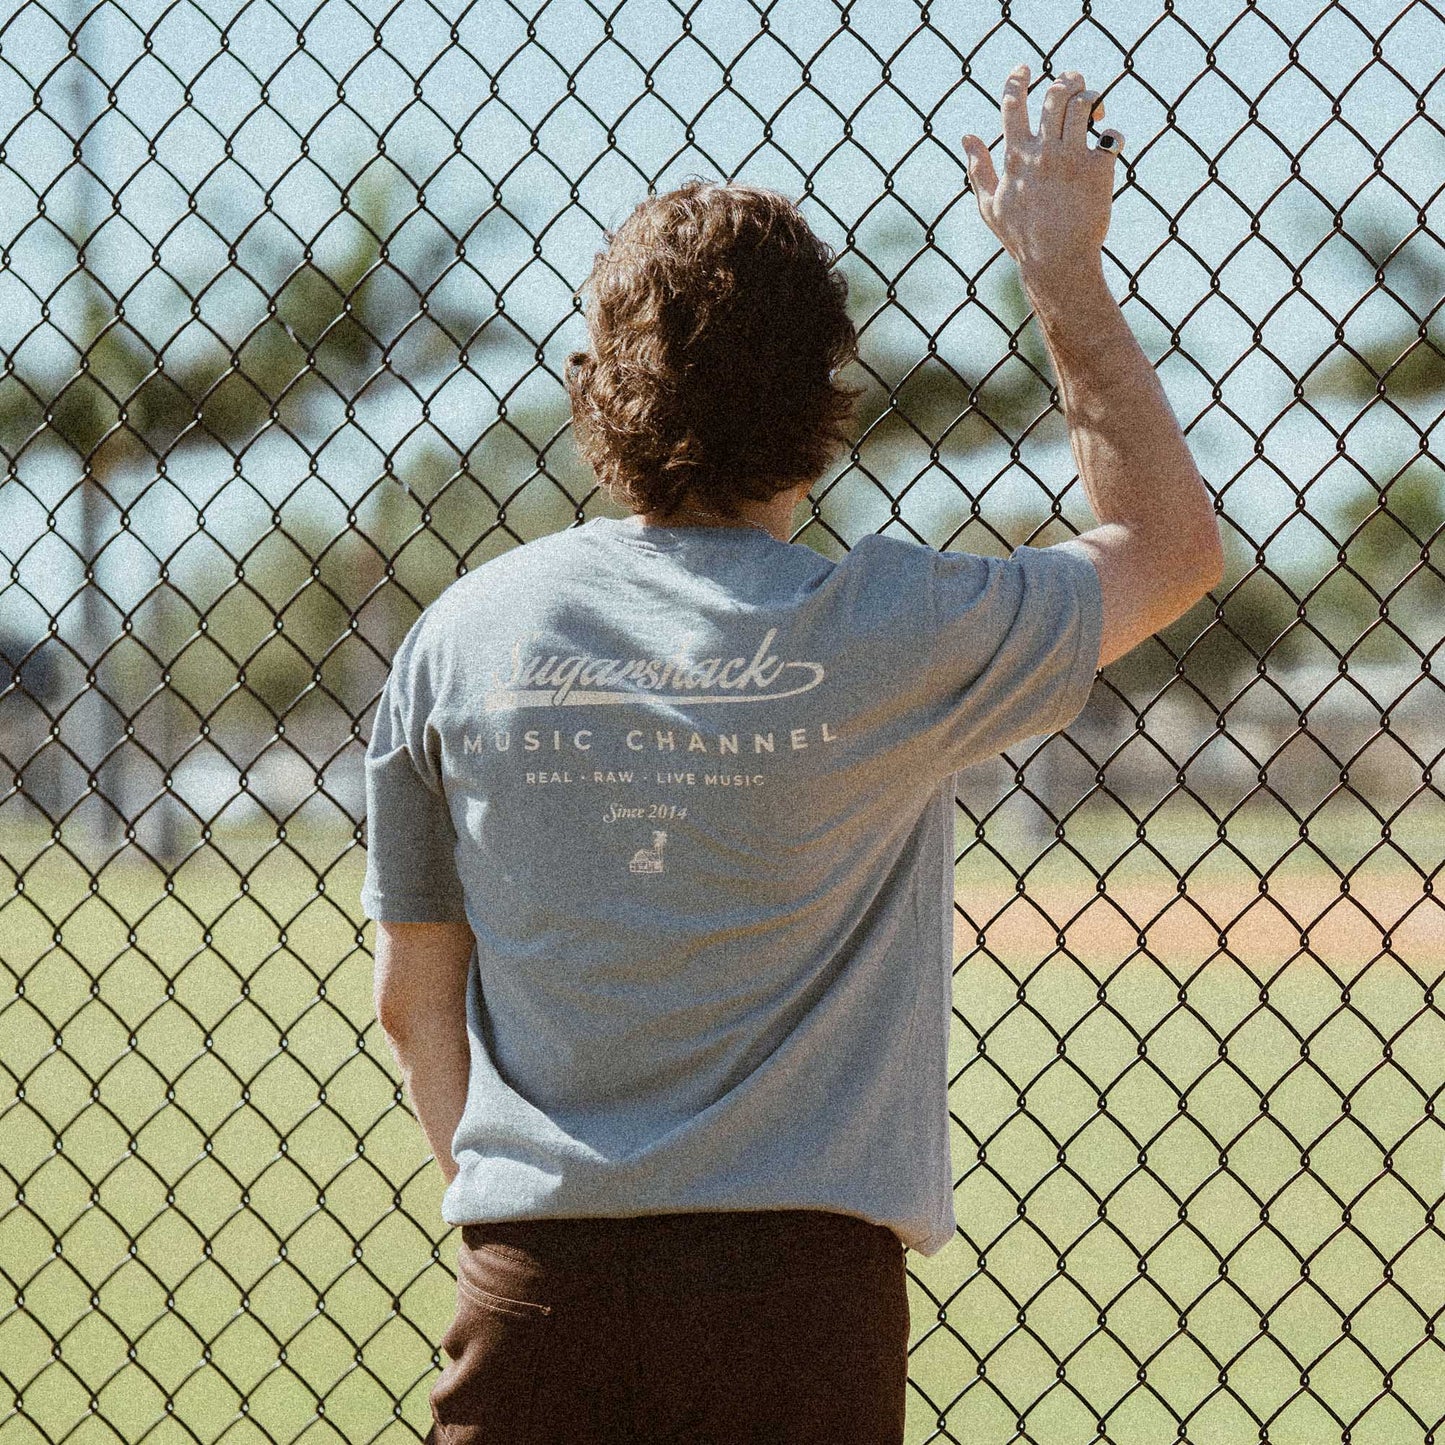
[
  {"x": 1213, "y": 564},
  {"x": 1206, "y": 558},
  {"x": 1187, "y": 572},
  {"x": 420, "y": 983},
  {"x": 399, "y": 1011},
  {"x": 395, "y": 1019}
]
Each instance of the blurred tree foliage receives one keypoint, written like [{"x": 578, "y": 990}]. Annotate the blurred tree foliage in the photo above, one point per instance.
[
  {"x": 278, "y": 627},
  {"x": 316, "y": 343},
  {"x": 1386, "y": 601}
]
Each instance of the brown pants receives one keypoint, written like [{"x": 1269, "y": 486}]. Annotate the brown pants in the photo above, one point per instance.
[{"x": 766, "y": 1327}]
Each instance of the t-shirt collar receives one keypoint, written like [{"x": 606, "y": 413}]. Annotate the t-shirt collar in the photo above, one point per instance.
[{"x": 646, "y": 534}]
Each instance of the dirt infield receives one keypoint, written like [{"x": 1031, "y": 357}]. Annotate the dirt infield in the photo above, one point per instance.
[{"x": 1223, "y": 912}]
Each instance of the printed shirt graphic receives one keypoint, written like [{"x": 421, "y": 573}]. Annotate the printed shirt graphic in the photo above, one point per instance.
[{"x": 692, "y": 788}]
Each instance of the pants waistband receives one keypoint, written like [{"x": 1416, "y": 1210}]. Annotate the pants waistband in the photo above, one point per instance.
[{"x": 722, "y": 1232}]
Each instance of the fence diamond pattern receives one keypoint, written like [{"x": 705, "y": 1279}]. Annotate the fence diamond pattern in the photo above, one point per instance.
[{"x": 284, "y": 295}]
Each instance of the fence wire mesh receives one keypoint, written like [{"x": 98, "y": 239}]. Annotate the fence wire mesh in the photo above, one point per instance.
[{"x": 284, "y": 294}]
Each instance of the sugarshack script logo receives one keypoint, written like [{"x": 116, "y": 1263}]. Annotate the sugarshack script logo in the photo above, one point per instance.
[{"x": 555, "y": 681}]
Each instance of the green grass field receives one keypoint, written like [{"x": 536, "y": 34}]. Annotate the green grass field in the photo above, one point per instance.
[{"x": 217, "y": 1223}]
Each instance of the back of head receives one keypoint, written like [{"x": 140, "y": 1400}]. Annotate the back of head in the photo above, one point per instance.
[{"x": 717, "y": 323}]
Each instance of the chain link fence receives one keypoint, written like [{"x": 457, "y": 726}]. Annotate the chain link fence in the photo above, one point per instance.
[{"x": 285, "y": 292}]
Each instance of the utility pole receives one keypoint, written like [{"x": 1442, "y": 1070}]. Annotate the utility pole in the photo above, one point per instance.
[{"x": 82, "y": 217}]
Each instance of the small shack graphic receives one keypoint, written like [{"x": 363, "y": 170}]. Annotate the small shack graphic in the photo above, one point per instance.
[{"x": 649, "y": 860}]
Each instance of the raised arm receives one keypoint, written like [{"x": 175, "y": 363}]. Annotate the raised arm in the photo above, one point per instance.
[{"x": 1157, "y": 549}]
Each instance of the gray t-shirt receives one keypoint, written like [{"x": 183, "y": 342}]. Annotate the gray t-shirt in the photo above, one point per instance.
[{"x": 692, "y": 788}]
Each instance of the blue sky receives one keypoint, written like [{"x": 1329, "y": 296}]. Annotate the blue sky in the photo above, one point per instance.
[{"x": 803, "y": 106}]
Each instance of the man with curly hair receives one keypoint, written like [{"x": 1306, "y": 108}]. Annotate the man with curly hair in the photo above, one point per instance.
[{"x": 661, "y": 830}]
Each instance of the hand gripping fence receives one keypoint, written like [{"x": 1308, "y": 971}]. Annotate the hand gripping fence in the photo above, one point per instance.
[{"x": 285, "y": 292}]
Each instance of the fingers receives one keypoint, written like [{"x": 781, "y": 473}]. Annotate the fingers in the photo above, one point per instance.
[
  {"x": 1082, "y": 107},
  {"x": 1068, "y": 107},
  {"x": 1057, "y": 99},
  {"x": 1015, "y": 108},
  {"x": 980, "y": 167},
  {"x": 1065, "y": 114}
]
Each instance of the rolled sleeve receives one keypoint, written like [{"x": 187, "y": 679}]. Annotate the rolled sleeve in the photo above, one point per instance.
[
  {"x": 1084, "y": 610},
  {"x": 1015, "y": 645},
  {"x": 411, "y": 843}
]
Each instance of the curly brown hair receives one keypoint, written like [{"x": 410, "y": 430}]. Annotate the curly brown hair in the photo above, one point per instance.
[{"x": 717, "y": 325}]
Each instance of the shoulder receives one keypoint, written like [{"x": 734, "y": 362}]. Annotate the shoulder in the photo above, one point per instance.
[
  {"x": 881, "y": 555},
  {"x": 886, "y": 552},
  {"x": 889, "y": 573}
]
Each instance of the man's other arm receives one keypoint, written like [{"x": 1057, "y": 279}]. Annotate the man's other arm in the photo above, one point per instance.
[{"x": 421, "y": 1004}]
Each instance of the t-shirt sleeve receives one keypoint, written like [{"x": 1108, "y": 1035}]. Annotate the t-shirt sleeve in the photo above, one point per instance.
[
  {"x": 411, "y": 874},
  {"x": 1013, "y": 647}
]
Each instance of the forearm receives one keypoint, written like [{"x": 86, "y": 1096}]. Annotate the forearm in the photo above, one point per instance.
[
  {"x": 434, "y": 1060},
  {"x": 1132, "y": 457}
]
